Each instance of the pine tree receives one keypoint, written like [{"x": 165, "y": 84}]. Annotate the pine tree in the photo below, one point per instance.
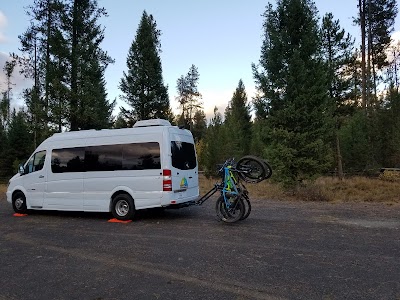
[
  {"x": 89, "y": 106},
  {"x": 380, "y": 23},
  {"x": 189, "y": 96},
  {"x": 393, "y": 70},
  {"x": 95, "y": 111},
  {"x": 143, "y": 85},
  {"x": 19, "y": 139},
  {"x": 376, "y": 19},
  {"x": 337, "y": 50},
  {"x": 388, "y": 153},
  {"x": 9, "y": 67},
  {"x": 4, "y": 111},
  {"x": 362, "y": 17},
  {"x": 260, "y": 126},
  {"x": 199, "y": 125},
  {"x": 213, "y": 150},
  {"x": 237, "y": 123},
  {"x": 294, "y": 84},
  {"x": 34, "y": 101},
  {"x": 40, "y": 43},
  {"x": 3, "y": 157},
  {"x": 355, "y": 143},
  {"x": 59, "y": 83}
]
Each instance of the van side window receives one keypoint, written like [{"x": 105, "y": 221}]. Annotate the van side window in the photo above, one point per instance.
[
  {"x": 67, "y": 160},
  {"x": 103, "y": 158},
  {"x": 141, "y": 156},
  {"x": 36, "y": 162},
  {"x": 183, "y": 155},
  {"x": 135, "y": 156}
]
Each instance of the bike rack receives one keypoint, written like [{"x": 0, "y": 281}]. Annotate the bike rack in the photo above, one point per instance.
[{"x": 211, "y": 192}]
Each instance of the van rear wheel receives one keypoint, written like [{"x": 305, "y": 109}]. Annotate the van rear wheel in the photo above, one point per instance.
[{"x": 122, "y": 207}]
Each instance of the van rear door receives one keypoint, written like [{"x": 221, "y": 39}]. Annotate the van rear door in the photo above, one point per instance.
[{"x": 185, "y": 181}]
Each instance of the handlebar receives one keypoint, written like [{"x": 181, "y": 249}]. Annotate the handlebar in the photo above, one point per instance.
[{"x": 230, "y": 162}]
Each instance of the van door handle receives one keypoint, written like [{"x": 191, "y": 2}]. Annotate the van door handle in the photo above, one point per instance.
[
  {"x": 41, "y": 176},
  {"x": 190, "y": 177}
]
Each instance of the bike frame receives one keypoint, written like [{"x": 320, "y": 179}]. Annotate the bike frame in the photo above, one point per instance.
[
  {"x": 230, "y": 185},
  {"x": 227, "y": 188}
]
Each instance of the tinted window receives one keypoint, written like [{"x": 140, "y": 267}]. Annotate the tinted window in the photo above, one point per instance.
[
  {"x": 36, "y": 162},
  {"x": 141, "y": 156},
  {"x": 137, "y": 156},
  {"x": 183, "y": 155},
  {"x": 67, "y": 160},
  {"x": 103, "y": 158}
]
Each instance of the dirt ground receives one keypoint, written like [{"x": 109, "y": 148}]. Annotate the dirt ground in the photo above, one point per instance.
[{"x": 284, "y": 250}]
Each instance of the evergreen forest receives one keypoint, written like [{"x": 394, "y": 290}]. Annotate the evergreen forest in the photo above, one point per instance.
[{"x": 325, "y": 105}]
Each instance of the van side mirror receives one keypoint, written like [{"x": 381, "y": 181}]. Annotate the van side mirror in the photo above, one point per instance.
[{"x": 21, "y": 169}]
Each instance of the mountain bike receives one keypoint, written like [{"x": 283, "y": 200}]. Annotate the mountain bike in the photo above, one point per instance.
[{"x": 233, "y": 204}]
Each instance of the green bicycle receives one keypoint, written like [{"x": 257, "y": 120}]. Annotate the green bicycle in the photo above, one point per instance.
[{"x": 233, "y": 204}]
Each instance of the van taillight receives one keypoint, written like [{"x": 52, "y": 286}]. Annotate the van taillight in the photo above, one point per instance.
[{"x": 167, "y": 181}]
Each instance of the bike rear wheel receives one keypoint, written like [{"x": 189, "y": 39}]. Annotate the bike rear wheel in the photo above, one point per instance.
[
  {"x": 247, "y": 208},
  {"x": 231, "y": 214},
  {"x": 253, "y": 169}
]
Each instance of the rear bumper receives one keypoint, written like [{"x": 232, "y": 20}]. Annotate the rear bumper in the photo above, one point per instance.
[
  {"x": 181, "y": 205},
  {"x": 176, "y": 200}
]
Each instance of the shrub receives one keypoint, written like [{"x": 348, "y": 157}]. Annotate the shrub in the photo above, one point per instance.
[{"x": 391, "y": 176}]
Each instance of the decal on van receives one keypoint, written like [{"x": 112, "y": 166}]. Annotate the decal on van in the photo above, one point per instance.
[{"x": 184, "y": 183}]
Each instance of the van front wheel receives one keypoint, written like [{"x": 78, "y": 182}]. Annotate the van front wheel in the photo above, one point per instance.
[
  {"x": 19, "y": 203},
  {"x": 123, "y": 207}
]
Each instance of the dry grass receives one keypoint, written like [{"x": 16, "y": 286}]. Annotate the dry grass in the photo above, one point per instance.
[
  {"x": 354, "y": 189},
  {"x": 264, "y": 189},
  {"x": 328, "y": 189},
  {"x": 359, "y": 189},
  {"x": 3, "y": 189}
]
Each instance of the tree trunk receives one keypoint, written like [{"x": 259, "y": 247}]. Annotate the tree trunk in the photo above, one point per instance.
[
  {"x": 36, "y": 99},
  {"x": 339, "y": 157},
  {"x": 74, "y": 70},
  {"x": 369, "y": 52},
  {"x": 364, "y": 82},
  {"x": 47, "y": 77}
]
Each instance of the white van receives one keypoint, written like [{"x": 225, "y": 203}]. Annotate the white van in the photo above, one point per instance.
[{"x": 150, "y": 165}]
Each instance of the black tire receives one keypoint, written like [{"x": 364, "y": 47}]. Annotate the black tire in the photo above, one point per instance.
[
  {"x": 252, "y": 169},
  {"x": 122, "y": 207},
  {"x": 19, "y": 203},
  {"x": 268, "y": 169},
  {"x": 246, "y": 201},
  {"x": 229, "y": 215},
  {"x": 218, "y": 209},
  {"x": 247, "y": 208}
]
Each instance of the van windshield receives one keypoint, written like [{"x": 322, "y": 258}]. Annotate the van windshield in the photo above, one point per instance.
[{"x": 183, "y": 155}]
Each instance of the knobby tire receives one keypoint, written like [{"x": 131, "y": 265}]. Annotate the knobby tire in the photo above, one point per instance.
[{"x": 229, "y": 215}]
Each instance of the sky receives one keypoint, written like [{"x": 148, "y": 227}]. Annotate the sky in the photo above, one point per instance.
[{"x": 222, "y": 38}]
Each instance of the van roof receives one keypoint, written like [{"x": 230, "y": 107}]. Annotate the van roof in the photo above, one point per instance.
[
  {"x": 152, "y": 122},
  {"x": 144, "y": 127}
]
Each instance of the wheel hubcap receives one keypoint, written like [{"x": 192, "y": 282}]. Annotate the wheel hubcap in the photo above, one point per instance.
[
  {"x": 19, "y": 203},
  {"x": 122, "y": 208}
]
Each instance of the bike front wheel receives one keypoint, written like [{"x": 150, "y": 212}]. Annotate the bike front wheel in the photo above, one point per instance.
[
  {"x": 253, "y": 169},
  {"x": 230, "y": 214}
]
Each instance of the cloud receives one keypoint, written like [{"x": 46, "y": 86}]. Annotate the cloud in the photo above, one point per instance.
[
  {"x": 3, "y": 25},
  {"x": 396, "y": 37},
  {"x": 394, "y": 46},
  {"x": 19, "y": 81}
]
